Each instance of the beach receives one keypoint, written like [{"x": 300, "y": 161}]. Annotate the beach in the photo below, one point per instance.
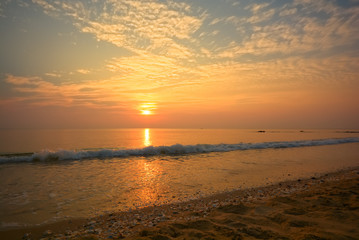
[
  {"x": 189, "y": 184},
  {"x": 165, "y": 119},
  {"x": 325, "y": 207}
]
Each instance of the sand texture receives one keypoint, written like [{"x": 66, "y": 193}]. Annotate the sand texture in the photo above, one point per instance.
[
  {"x": 327, "y": 210},
  {"x": 315, "y": 208}
]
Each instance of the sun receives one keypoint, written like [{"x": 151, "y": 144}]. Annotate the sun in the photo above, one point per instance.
[
  {"x": 147, "y": 109},
  {"x": 146, "y": 112}
]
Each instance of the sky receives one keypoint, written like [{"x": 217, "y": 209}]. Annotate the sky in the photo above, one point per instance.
[{"x": 179, "y": 64}]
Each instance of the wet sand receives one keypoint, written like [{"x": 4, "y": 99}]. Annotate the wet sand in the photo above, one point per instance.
[{"x": 325, "y": 207}]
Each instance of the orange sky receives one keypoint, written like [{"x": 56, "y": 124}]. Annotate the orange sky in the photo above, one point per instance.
[{"x": 210, "y": 64}]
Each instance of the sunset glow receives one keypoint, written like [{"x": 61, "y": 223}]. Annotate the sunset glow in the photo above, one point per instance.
[
  {"x": 146, "y": 112},
  {"x": 147, "y": 108},
  {"x": 215, "y": 64}
]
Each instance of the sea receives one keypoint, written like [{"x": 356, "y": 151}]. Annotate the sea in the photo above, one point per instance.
[{"x": 50, "y": 175}]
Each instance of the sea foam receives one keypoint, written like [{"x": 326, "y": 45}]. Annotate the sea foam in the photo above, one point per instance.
[{"x": 177, "y": 149}]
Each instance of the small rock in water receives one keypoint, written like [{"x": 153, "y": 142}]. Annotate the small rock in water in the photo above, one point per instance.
[
  {"x": 26, "y": 236},
  {"x": 91, "y": 223},
  {"x": 52, "y": 195},
  {"x": 47, "y": 233},
  {"x": 90, "y": 231}
]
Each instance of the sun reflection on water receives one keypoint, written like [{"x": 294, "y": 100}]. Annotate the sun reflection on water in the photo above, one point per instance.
[
  {"x": 147, "y": 137},
  {"x": 149, "y": 182}
]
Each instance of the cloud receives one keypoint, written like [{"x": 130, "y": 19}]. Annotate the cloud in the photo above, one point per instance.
[
  {"x": 153, "y": 71},
  {"x": 83, "y": 71},
  {"x": 227, "y": 86},
  {"x": 294, "y": 32},
  {"x": 135, "y": 79},
  {"x": 261, "y": 16},
  {"x": 20, "y": 80},
  {"x": 233, "y": 19},
  {"x": 176, "y": 30},
  {"x": 287, "y": 12},
  {"x": 44, "y": 93},
  {"x": 177, "y": 59},
  {"x": 54, "y": 75},
  {"x": 215, "y": 21},
  {"x": 255, "y": 8},
  {"x": 48, "y": 8},
  {"x": 136, "y": 25}
]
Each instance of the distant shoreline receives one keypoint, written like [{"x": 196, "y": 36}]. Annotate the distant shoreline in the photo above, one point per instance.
[{"x": 153, "y": 221}]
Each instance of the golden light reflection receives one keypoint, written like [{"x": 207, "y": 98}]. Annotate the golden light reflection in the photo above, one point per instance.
[
  {"x": 147, "y": 137},
  {"x": 150, "y": 182}
]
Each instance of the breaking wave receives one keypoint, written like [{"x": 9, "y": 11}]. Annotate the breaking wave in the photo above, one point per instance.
[{"x": 176, "y": 149}]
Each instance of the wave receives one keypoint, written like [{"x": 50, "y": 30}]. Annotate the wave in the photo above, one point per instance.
[{"x": 176, "y": 149}]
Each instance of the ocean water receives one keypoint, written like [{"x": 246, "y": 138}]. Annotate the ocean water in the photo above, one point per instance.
[{"x": 51, "y": 175}]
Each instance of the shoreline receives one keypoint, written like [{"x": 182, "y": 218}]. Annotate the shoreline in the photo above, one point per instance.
[{"x": 261, "y": 212}]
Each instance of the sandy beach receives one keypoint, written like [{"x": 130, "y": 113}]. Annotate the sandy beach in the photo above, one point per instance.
[
  {"x": 179, "y": 119},
  {"x": 325, "y": 207}
]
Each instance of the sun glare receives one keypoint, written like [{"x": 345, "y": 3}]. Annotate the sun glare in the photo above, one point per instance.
[
  {"x": 146, "y": 112},
  {"x": 147, "y": 108}
]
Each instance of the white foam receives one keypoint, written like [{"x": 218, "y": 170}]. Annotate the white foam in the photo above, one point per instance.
[
  {"x": 177, "y": 149},
  {"x": 4, "y": 225}
]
